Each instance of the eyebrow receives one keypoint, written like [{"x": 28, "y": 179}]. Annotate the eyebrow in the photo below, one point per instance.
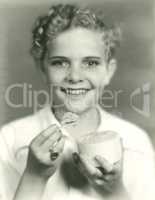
[
  {"x": 66, "y": 58},
  {"x": 92, "y": 57},
  {"x": 57, "y": 57}
]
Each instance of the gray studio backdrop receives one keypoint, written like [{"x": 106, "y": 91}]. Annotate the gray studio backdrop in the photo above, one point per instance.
[{"x": 131, "y": 92}]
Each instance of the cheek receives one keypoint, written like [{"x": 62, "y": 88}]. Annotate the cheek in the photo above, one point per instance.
[
  {"x": 55, "y": 76},
  {"x": 98, "y": 79},
  {"x": 102, "y": 77}
]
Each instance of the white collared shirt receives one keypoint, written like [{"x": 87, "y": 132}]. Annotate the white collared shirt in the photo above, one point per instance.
[{"x": 138, "y": 165}]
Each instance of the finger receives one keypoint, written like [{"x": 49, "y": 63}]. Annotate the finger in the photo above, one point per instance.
[
  {"x": 52, "y": 140},
  {"x": 85, "y": 167},
  {"x": 57, "y": 150},
  {"x": 114, "y": 175},
  {"x": 105, "y": 166},
  {"x": 100, "y": 182},
  {"x": 106, "y": 183},
  {"x": 110, "y": 178},
  {"x": 118, "y": 165},
  {"x": 50, "y": 133},
  {"x": 103, "y": 185},
  {"x": 117, "y": 168},
  {"x": 44, "y": 134},
  {"x": 60, "y": 145}
]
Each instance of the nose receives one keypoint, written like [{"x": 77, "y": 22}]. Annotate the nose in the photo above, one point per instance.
[{"x": 74, "y": 74}]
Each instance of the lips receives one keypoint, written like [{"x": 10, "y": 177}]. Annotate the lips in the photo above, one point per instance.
[{"x": 77, "y": 91}]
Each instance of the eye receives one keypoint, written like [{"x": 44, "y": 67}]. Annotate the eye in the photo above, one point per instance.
[
  {"x": 91, "y": 63},
  {"x": 59, "y": 63}
]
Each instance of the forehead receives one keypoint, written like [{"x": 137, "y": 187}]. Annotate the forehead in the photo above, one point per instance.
[{"x": 77, "y": 42}]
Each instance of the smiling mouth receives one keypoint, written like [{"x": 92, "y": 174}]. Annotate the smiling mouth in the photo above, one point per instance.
[{"x": 71, "y": 91}]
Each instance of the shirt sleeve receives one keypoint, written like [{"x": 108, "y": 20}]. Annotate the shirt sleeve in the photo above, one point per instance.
[
  {"x": 141, "y": 169},
  {"x": 8, "y": 174}
]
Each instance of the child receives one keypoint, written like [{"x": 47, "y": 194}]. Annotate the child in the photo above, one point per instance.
[{"x": 75, "y": 51}]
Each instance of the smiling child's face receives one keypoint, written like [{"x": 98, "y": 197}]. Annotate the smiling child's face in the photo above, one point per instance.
[{"x": 76, "y": 69}]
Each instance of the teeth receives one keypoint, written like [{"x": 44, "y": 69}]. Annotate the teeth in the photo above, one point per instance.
[{"x": 76, "y": 91}]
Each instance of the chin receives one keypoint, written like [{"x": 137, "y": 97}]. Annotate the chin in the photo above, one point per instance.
[{"x": 77, "y": 108}]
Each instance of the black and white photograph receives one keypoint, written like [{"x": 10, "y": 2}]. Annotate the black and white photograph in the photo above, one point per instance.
[{"x": 77, "y": 109}]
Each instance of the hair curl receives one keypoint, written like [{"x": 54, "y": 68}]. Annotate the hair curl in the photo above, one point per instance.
[{"x": 64, "y": 16}]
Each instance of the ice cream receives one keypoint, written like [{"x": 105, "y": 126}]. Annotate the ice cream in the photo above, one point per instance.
[
  {"x": 69, "y": 118},
  {"x": 106, "y": 144}
]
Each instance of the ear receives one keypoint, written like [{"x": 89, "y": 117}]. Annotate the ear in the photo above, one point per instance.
[{"x": 111, "y": 68}]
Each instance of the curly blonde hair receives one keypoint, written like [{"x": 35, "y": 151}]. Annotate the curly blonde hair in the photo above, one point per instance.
[{"x": 65, "y": 16}]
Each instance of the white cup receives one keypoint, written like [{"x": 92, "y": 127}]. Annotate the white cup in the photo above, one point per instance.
[{"x": 107, "y": 144}]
